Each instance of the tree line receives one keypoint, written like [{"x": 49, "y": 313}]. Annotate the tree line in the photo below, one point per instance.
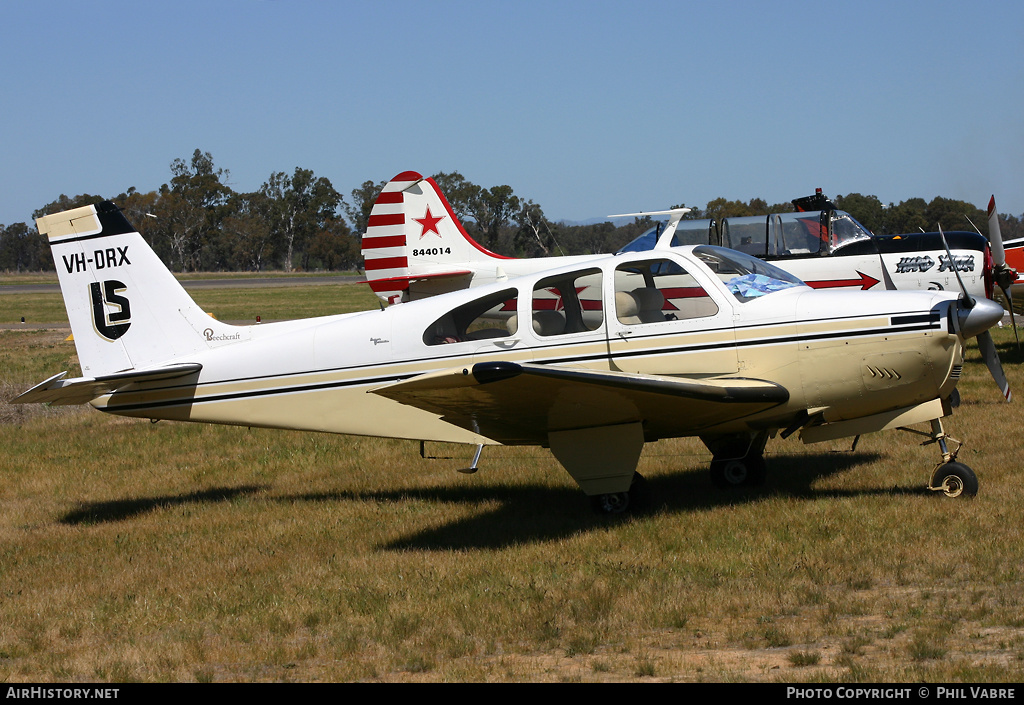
[{"x": 299, "y": 221}]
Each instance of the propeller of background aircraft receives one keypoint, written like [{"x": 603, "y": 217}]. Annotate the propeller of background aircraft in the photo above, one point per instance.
[
  {"x": 967, "y": 326},
  {"x": 1003, "y": 274}
]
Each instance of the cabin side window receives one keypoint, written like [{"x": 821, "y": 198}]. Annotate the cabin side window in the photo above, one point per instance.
[
  {"x": 659, "y": 290},
  {"x": 492, "y": 316},
  {"x": 797, "y": 234},
  {"x": 567, "y": 303},
  {"x": 747, "y": 234}
]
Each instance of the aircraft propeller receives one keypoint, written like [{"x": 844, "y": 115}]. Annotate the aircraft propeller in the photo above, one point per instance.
[
  {"x": 975, "y": 318},
  {"x": 1002, "y": 274}
]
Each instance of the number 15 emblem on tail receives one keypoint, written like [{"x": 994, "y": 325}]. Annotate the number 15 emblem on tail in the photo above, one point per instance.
[{"x": 110, "y": 324}]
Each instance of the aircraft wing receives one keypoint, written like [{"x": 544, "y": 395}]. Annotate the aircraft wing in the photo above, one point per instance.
[
  {"x": 82, "y": 390},
  {"x": 515, "y": 403}
]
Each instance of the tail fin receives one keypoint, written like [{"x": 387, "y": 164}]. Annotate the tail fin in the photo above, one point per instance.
[
  {"x": 415, "y": 245},
  {"x": 127, "y": 311}
]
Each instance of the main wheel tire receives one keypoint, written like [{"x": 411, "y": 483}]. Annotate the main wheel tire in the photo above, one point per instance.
[
  {"x": 955, "y": 480},
  {"x": 611, "y": 503},
  {"x": 738, "y": 472}
]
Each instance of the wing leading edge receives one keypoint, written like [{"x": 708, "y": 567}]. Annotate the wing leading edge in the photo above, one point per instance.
[{"x": 515, "y": 403}]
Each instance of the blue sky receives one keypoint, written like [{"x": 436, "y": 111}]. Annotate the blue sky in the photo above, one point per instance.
[{"x": 587, "y": 108}]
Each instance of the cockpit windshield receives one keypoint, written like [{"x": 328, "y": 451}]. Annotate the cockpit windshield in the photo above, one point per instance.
[
  {"x": 846, "y": 229},
  {"x": 745, "y": 276},
  {"x": 776, "y": 236}
]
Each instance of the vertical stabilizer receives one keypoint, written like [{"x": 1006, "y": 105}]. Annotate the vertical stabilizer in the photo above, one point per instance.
[
  {"x": 414, "y": 236},
  {"x": 126, "y": 309}
]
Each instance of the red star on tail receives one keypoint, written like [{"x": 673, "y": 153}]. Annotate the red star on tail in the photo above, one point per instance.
[{"x": 429, "y": 223}]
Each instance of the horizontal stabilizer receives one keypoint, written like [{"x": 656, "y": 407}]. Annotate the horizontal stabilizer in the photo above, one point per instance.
[
  {"x": 434, "y": 282},
  {"x": 82, "y": 390},
  {"x": 521, "y": 403}
]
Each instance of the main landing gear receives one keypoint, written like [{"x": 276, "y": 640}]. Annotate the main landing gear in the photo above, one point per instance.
[
  {"x": 619, "y": 502},
  {"x": 738, "y": 460}
]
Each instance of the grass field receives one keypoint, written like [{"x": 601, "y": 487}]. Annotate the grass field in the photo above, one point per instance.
[
  {"x": 228, "y": 304},
  {"x": 132, "y": 551}
]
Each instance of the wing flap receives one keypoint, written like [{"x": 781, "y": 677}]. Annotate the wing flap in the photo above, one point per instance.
[
  {"x": 81, "y": 390},
  {"x": 521, "y": 403}
]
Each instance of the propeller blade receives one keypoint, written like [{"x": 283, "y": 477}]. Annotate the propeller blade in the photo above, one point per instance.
[
  {"x": 1004, "y": 275},
  {"x": 980, "y": 315},
  {"x": 991, "y": 357},
  {"x": 995, "y": 237},
  {"x": 968, "y": 299}
]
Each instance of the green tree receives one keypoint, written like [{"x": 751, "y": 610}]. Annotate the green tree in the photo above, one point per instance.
[
  {"x": 246, "y": 234},
  {"x": 23, "y": 249},
  {"x": 190, "y": 208},
  {"x": 363, "y": 199},
  {"x": 462, "y": 195},
  {"x": 955, "y": 215},
  {"x": 140, "y": 210},
  {"x": 303, "y": 204},
  {"x": 334, "y": 249},
  {"x": 534, "y": 237},
  {"x": 867, "y": 210},
  {"x": 908, "y": 217},
  {"x": 492, "y": 210},
  {"x": 720, "y": 208}
]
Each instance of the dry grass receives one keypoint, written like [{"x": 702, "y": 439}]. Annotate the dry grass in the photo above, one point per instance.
[
  {"x": 173, "y": 552},
  {"x": 231, "y": 304}
]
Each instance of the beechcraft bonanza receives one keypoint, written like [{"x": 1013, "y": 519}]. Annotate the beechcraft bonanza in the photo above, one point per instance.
[
  {"x": 747, "y": 352},
  {"x": 415, "y": 247}
]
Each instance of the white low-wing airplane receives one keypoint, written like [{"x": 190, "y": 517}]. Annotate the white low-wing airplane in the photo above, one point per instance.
[
  {"x": 415, "y": 247},
  {"x": 747, "y": 351}
]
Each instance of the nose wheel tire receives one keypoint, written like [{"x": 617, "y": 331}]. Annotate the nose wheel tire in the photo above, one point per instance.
[{"x": 955, "y": 479}]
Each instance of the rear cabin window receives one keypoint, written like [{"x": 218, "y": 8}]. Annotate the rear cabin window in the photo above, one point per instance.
[{"x": 492, "y": 316}]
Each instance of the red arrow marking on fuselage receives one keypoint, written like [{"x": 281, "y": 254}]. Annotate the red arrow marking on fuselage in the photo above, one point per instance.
[{"x": 865, "y": 282}]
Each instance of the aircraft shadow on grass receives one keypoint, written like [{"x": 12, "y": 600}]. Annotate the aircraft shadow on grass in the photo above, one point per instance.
[
  {"x": 532, "y": 513},
  {"x": 88, "y": 513}
]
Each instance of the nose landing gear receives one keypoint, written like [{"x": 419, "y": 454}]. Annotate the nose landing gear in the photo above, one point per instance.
[{"x": 951, "y": 478}]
